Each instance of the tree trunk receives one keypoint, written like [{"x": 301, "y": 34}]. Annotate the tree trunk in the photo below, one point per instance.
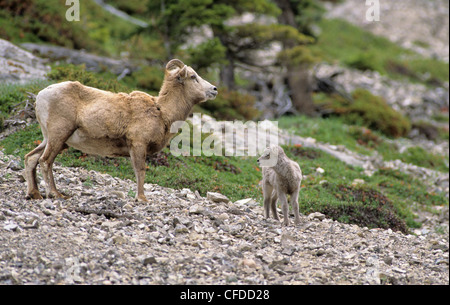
[
  {"x": 227, "y": 74},
  {"x": 226, "y": 70},
  {"x": 166, "y": 36},
  {"x": 299, "y": 80}
]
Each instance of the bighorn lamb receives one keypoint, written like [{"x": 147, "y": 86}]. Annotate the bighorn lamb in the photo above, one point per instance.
[
  {"x": 111, "y": 124},
  {"x": 279, "y": 181}
]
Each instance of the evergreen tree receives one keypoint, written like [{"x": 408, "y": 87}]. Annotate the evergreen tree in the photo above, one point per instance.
[
  {"x": 174, "y": 19},
  {"x": 299, "y": 14},
  {"x": 233, "y": 43}
]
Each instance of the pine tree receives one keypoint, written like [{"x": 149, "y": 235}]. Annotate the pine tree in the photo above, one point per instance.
[
  {"x": 174, "y": 19},
  {"x": 233, "y": 43},
  {"x": 299, "y": 14}
]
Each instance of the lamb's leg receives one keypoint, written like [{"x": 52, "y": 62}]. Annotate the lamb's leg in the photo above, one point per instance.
[
  {"x": 138, "y": 154},
  {"x": 284, "y": 207},
  {"x": 31, "y": 162},
  {"x": 267, "y": 191},
  {"x": 273, "y": 205},
  {"x": 294, "y": 205}
]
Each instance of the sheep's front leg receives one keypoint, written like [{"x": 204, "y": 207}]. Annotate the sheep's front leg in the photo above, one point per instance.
[
  {"x": 284, "y": 207},
  {"x": 138, "y": 154}
]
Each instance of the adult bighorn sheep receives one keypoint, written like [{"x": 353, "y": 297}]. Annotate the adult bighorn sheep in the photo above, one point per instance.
[{"x": 111, "y": 124}]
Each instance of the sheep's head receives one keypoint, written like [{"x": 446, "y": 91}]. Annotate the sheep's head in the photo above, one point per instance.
[
  {"x": 198, "y": 89},
  {"x": 270, "y": 156}
]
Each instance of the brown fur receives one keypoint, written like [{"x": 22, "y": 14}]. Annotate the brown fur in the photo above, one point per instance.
[{"x": 111, "y": 124}]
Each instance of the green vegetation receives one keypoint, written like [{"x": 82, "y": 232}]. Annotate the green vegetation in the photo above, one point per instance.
[
  {"x": 231, "y": 105},
  {"x": 350, "y": 45},
  {"x": 421, "y": 157},
  {"x": 336, "y": 131},
  {"x": 383, "y": 201},
  {"x": 368, "y": 110},
  {"x": 104, "y": 81},
  {"x": 13, "y": 94},
  {"x": 364, "y": 125},
  {"x": 44, "y": 21}
]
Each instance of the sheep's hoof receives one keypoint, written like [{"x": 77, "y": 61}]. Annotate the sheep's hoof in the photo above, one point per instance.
[
  {"x": 34, "y": 194},
  {"x": 141, "y": 198},
  {"x": 58, "y": 195}
]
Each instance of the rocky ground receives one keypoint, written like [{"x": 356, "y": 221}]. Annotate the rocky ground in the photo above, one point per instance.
[{"x": 102, "y": 236}]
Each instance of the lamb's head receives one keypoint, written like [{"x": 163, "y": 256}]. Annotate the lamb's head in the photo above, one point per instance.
[
  {"x": 270, "y": 155},
  {"x": 195, "y": 88}
]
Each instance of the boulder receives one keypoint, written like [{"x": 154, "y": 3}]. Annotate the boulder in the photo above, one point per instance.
[{"x": 18, "y": 65}]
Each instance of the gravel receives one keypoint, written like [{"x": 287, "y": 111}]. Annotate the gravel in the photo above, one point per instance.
[{"x": 102, "y": 236}]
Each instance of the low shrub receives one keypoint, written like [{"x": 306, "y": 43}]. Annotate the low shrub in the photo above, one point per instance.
[
  {"x": 421, "y": 157},
  {"x": 78, "y": 73},
  {"x": 364, "y": 61},
  {"x": 360, "y": 205},
  {"x": 149, "y": 78},
  {"x": 232, "y": 105},
  {"x": 368, "y": 110}
]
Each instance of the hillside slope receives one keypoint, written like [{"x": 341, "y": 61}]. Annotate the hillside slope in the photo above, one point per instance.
[
  {"x": 102, "y": 236},
  {"x": 422, "y": 26},
  {"x": 184, "y": 236}
]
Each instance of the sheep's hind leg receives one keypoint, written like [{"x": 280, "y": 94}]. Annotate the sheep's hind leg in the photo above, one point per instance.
[
  {"x": 54, "y": 146},
  {"x": 267, "y": 191},
  {"x": 273, "y": 205},
  {"x": 31, "y": 162}
]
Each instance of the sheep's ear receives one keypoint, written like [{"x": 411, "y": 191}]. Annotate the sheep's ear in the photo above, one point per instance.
[{"x": 182, "y": 74}]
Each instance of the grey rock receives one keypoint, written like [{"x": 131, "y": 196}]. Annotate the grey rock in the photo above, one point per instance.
[
  {"x": 316, "y": 215},
  {"x": 18, "y": 65},
  {"x": 217, "y": 197}
]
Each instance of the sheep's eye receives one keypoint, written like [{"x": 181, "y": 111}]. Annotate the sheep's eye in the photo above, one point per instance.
[{"x": 194, "y": 76}]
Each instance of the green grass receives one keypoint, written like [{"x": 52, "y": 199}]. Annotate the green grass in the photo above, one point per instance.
[
  {"x": 13, "y": 94},
  {"x": 384, "y": 201},
  {"x": 328, "y": 130},
  {"x": 43, "y": 21},
  {"x": 350, "y": 45},
  {"x": 359, "y": 139},
  {"x": 235, "y": 177}
]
